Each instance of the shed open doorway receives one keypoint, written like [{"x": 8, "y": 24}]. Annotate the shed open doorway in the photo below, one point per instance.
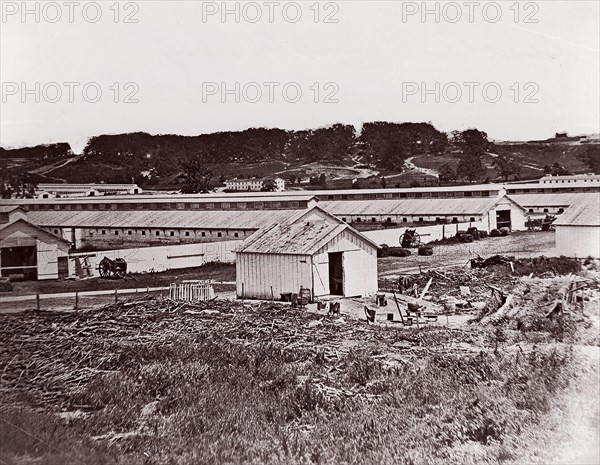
[
  {"x": 336, "y": 273},
  {"x": 503, "y": 219},
  {"x": 19, "y": 262}
]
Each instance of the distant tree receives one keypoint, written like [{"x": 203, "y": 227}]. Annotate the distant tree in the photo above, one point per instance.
[
  {"x": 471, "y": 141},
  {"x": 383, "y": 182},
  {"x": 470, "y": 167},
  {"x": 292, "y": 178},
  {"x": 506, "y": 167},
  {"x": 17, "y": 183},
  {"x": 195, "y": 175},
  {"x": 446, "y": 173},
  {"x": 547, "y": 169},
  {"x": 222, "y": 179},
  {"x": 330, "y": 144},
  {"x": 590, "y": 155},
  {"x": 269, "y": 185},
  {"x": 473, "y": 144},
  {"x": 322, "y": 179},
  {"x": 559, "y": 170}
]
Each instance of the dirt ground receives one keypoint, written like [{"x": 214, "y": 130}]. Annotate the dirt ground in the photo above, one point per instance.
[
  {"x": 221, "y": 272},
  {"x": 519, "y": 245}
]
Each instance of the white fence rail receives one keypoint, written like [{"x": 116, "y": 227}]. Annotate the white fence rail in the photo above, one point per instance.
[
  {"x": 192, "y": 291},
  {"x": 157, "y": 259}
]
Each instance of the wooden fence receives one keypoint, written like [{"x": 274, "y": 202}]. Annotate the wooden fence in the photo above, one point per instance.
[{"x": 192, "y": 291}]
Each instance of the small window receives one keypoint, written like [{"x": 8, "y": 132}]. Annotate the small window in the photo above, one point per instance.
[
  {"x": 561, "y": 210},
  {"x": 236, "y": 235},
  {"x": 420, "y": 219},
  {"x": 405, "y": 220},
  {"x": 116, "y": 233},
  {"x": 373, "y": 220},
  {"x": 158, "y": 233},
  {"x": 203, "y": 234},
  {"x": 129, "y": 233},
  {"x": 455, "y": 220},
  {"x": 219, "y": 234},
  {"x": 344, "y": 220},
  {"x": 187, "y": 234},
  {"x": 545, "y": 210},
  {"x": 358, "y": 220},
  {"x": 172, "y": 233},
  {"x": 103, "y": 232},
  {"x": 531, "y": 210},
  {"x": 143, "y": 233},
  {"x": 472, "y": 220},
  {"x": 56, "y": 231}
]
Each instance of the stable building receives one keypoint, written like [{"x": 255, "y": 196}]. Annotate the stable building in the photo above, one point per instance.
[
  {"x": 50, "y": 191},
  {"x": 578, "y": 229},
  {"x": 28, "y": 252},
  {"x": 311, "y": 250},
  {"x": 491, "y": 213}
]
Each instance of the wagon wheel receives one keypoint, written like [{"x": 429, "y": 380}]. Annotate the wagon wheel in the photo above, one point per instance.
[
  {"x": 401, "y": 239},
  {"x": 416, "y": 240},
  {"x": 104, "y": 269}
]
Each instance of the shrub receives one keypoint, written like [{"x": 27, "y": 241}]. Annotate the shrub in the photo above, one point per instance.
[
  {"x": 5, "y": 285},
  {"x": 494, "y": 233},
  {"x": 425, "y": 250}
]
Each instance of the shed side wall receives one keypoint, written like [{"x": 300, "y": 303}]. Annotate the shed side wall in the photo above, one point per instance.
[{"x": 258, "y": 272}]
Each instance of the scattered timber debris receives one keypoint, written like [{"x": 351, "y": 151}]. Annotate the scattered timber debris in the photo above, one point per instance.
[{"x": 48, "y": 358}]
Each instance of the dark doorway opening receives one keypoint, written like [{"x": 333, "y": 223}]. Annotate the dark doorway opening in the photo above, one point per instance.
[
  {"x": 336, "y": 274},
  {"x": 19, "y": 262},
  {"x": 503, "y": 219},
  {"x": 63, "y": 267}
]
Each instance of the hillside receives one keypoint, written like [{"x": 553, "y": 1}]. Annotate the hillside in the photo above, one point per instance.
[{"x": 383, "y": 155}]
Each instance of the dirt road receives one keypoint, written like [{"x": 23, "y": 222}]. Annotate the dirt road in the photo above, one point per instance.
[{"x": 520, "y": 245}]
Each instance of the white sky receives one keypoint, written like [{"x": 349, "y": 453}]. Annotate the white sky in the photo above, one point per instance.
[{"x": 369, "y": 53}]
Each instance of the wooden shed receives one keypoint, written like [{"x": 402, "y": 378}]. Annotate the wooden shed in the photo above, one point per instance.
[
  {"x": 578, "y": 228},
  {"x": 29, "y": 252},
  {"x": 312, "y": 250}
]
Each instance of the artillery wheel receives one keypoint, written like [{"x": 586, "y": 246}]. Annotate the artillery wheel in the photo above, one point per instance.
[
  {"x": 104, "y": 269},
  {"x": 416, "y": 240},
  {"x": 401, "y": 239}
]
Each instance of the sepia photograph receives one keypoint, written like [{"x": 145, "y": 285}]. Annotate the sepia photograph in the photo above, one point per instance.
[{"x": 352, "y": 232}]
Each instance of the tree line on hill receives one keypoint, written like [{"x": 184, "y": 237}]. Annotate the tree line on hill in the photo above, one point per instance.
[{"x": 384, "y": 146}]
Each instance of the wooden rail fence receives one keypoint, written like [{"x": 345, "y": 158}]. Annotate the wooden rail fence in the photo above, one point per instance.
[{"x": 192, "y": 291}]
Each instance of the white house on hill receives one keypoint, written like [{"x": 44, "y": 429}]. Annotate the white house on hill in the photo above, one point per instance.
[{"x": 253, "y": 184}]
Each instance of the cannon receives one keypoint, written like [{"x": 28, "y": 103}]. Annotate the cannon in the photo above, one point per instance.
[
  {"x": 116, "y": 268},
  {"x": 410, "y": 239},
  {"x": 541, "y": 224}
]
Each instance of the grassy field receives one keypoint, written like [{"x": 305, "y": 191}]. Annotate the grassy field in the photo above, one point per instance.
[{"x": 159, "y": 382}]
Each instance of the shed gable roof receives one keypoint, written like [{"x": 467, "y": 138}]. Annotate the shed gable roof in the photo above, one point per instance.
[
  {"x": 23, "y": 225},
  {"x": 302, "y": 234}
]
